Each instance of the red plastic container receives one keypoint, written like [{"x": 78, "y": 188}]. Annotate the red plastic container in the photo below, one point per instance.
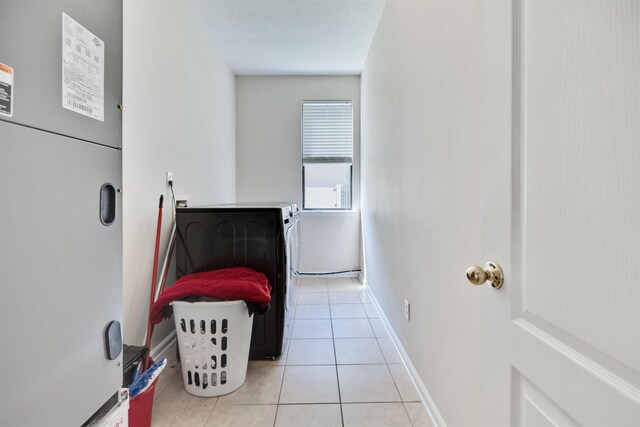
[{"x": 141, "y": 407}]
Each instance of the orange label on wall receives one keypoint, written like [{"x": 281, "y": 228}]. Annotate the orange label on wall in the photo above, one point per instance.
[{"x": 6, "y": 90}]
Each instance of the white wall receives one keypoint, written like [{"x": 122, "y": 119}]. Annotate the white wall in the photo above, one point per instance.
[
  {"x": 269, "y": 160},
  {"x": 420, "y": 192},
  {"x": 329, "y": 241},
  {"x": 179, "y": 116}
]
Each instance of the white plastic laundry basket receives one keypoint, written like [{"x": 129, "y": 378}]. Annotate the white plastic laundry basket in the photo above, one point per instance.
[{"x": 214, "y": 340}]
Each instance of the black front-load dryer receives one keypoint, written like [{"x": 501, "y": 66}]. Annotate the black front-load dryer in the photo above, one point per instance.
[{"x": 240, "y": 235}]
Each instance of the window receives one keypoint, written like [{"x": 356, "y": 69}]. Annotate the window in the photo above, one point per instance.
[{"x": 327, "y": 154}]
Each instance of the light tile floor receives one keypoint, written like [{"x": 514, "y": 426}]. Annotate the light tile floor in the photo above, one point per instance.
[{"x": 339, "y": 369}]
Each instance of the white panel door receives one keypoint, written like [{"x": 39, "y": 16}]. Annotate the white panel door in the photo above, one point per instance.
[{"x": 562, "y": 195}]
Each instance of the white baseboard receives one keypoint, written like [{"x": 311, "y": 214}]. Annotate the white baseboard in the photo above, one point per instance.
[
  {"x": 432, "y": 410},
  {"x": 163, "y": 345},
  {"x": 362, "y": 279}
]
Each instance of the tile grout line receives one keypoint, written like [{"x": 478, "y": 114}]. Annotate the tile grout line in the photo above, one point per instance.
[
  {"x": 286, "y": 360},
  {"x": 404, "y": 407},
  {"x": 335, "y": 359},
  {"x": 284, "y": 372},
  {"x": 211, "y": 412},
  {"x": 286, "y": 365}
]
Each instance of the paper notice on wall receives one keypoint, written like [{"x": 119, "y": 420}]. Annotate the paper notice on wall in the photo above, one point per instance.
[
  {"x": 6, "y": 90},
  {"x": 82, "y": 70}
]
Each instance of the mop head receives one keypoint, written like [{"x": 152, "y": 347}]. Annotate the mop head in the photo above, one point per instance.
[{"x": 145, "y": 380}]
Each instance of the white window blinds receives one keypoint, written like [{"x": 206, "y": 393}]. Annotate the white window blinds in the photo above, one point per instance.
[{"x": 327, "y": 132}]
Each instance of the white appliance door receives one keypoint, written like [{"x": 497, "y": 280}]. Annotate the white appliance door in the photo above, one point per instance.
[
  {"x": 60, "y": 277},
  {"x": 292, "y": 257},
  {"x": 287, "y": 238},
  {"x": 561, "y": 190}
]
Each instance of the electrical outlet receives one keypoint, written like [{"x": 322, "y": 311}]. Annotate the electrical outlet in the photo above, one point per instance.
[
  {"x": 407, "y": 309},
  {"x": 169, "y": 179},
  {"x": 182, "y": 201}
]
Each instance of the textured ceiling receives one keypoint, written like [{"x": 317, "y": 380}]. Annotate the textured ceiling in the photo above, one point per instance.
[{"x": 293, "y": 37}]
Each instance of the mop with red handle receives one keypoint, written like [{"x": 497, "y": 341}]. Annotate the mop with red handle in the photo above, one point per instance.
[{"x": 154, "y": 279}]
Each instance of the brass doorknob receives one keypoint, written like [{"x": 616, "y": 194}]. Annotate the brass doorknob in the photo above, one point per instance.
[{"x": 491, "y": 272}]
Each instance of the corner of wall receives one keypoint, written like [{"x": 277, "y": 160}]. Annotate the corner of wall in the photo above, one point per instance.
[{"x": 186, "y": 127}]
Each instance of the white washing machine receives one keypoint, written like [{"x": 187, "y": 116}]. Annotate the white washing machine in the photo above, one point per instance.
[
  {"x": 291, "y": 236},
  {"x": 291, "y": 295}
]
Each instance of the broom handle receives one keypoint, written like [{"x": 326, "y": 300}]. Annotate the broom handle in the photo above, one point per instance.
[
  {"x": 154, "y": 279},
  {"x": 167, "y": 262}
]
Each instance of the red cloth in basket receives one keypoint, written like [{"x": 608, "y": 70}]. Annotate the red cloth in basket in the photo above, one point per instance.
[{"x": 237, "y": 283}]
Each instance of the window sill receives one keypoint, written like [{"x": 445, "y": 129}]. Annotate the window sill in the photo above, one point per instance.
[{"x": 329, "y": 212}]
